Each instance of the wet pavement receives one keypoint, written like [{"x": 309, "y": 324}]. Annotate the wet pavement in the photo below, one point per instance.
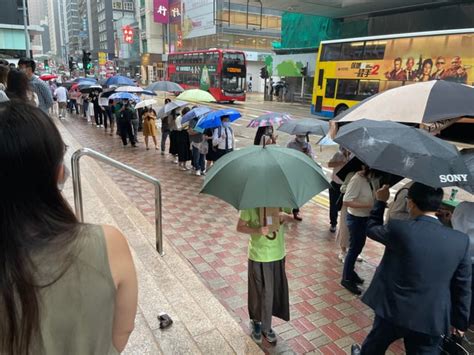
[{"x": 325, "y": 318}]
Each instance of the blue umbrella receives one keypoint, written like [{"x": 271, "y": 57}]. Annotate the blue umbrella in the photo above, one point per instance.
[
  {"x": 77, "y": 80},
  {"x": 213, "y": 119},
  {"x": 195, "y": 113},
  {"x": 124, "y": 96},
  {"x": 119, "y": 80}
]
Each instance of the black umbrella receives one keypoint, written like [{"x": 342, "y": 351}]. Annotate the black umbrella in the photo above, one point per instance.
[
  {"x": 405, "y": 151},
  {"x": 87, "y": 89},
  {"x": 355, "y": 164},
  {"x": 468, "y": 157}
]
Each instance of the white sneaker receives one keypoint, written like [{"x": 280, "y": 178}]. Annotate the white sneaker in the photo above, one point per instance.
[
  {"x": 101, "y": 125},
  {"x": 175, "y": 161},
  {"x": 198, "y": 173},
  {"x": 97, "y": 126}
]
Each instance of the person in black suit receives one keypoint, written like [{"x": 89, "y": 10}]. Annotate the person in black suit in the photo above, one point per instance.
[{"x": 423, "y": 283}]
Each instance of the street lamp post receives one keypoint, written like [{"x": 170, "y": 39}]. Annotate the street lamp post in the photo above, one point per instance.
[{"x": 27, "y": 36}]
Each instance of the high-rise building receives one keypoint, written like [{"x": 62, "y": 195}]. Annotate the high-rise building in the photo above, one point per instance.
[
  {"x": 37, "y": 15},
  {"x": 73, "y": 28},
  {"x": 12, "y": 29}
]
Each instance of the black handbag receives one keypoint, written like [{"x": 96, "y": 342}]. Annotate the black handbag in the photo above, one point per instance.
[{"x": 452, "y": 345}]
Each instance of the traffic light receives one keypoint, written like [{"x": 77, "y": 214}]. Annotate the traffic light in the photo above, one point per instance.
[
  {"x": 86, "y": 60},
  {"x": 46, "y": 64},
  {"x": 304, "y": 71},
  {"x": 264, "y": 73}
]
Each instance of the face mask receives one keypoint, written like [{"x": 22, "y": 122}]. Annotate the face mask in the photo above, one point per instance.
[
  {"x": 66, "y": 175},
  {"x": 300, "y": 139},
  {"x": 226, "y": 124}
]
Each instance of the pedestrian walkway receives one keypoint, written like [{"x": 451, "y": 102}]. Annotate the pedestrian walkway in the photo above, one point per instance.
[{"x": 325, "y": 318}]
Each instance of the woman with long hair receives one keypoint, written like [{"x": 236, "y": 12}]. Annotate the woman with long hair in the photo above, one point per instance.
[
  {"x": 18, "y": 87},
  {"x": 265, "y": 134},
  {"x": 149, "y": 126},
  {"x": 65, "y": 287}
]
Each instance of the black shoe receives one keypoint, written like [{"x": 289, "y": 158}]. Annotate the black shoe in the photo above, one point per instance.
[
  {"x": 351, "y": 286},
  {"x": 134, "y": 145},
  {"x": 355, "y": 349},
  {"x": 333, "y": 228},
  {"x": 357, "y": 279}
]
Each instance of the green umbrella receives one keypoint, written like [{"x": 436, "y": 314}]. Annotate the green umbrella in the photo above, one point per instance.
[
  {"x": 268, "y": 176},
  {"x": 196, "y": 95}
]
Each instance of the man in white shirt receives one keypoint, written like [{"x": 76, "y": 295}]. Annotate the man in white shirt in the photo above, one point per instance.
[
  {"x": 61, "y": 95},
  {"x": 223, "y": 138}
]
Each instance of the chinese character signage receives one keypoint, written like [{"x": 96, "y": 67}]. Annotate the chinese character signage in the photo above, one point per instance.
[
  {"x": 161, "y": 11},
  {"x": 175, "y": 11},
  {"x": 127, "y": 34}
]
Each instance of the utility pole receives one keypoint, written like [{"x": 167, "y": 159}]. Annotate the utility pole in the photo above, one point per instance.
[{"x": 27, "y": 36}]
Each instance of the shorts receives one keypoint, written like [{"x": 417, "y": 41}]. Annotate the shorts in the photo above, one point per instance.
[{"x": 62, "y": 104}]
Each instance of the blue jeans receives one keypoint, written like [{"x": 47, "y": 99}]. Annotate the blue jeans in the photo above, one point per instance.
[
  {"x": 199, "y": 160},
  {"x": 357, "y": 235}
]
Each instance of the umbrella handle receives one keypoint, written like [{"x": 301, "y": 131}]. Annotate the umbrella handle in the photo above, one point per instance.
[{"x": 264, "y": 215}]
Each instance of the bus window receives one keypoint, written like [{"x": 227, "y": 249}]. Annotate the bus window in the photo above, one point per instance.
[
  {"x": 330, "y": 88},
  {"x": 374, "y": 50},
  {"x": 347, "y": 89},
  {"x": 367, "y": 88},
  {"x": 331, "y": 52},
  {"x": 352, "y": 50}
]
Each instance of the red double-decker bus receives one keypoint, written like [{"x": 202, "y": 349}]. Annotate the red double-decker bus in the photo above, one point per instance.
[{"x": 221, "y": 72}]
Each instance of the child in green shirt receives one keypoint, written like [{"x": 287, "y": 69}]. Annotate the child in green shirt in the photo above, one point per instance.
[{"x": 268, "y": 287}]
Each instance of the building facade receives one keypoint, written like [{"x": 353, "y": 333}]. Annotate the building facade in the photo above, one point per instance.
[{"x": 73, "y": 29}]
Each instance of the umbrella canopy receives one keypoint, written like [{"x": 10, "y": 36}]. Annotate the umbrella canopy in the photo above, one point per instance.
[
  {"x": 46, "y": 77},
  {"x": 87, "y": 89},
  {"x": 213, "y": 119},
  {"x": 305, "y": 126},
  {"x": 195, "y": 113},
  {"x": 268, "y": 176},
  {"x": 165, "y": 86},
  {"x": 68, "y": 84},
  {"x": 405, "y": 151},
  {"x": 128, "y": 88},
  {"x": 77, "y": 80},
  {"x": 170, "y": 106},
  {"x": 124, "y": 96},
  {"x": 425, "y": 102},
  {"x": 119, "y": 80},
  {"x": 145, "y": 103},
  {"x": 468, "y": 157},
  {"x": 196, "y": 95},
  {"x": 270, "y": 119}
]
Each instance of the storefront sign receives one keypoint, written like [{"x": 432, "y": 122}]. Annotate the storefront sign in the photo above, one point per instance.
[
  {"x": 160, "y": 11},
  {"x": 175, "y": 11},
  {"x": 233, "y": 70}
]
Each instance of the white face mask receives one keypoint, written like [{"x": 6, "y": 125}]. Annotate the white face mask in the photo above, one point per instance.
[
  {"x": 66, "y": 175},
  {"x": 300, "y": 139}
]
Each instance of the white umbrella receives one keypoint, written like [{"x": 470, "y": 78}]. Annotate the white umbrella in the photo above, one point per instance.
[
  {"x": 145, "y": 103},
  {"x": 135, "y": 89}
]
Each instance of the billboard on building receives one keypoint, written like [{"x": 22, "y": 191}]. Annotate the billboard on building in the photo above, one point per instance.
[
  {"x": 161, "y": 11},
  {"x": 197, "y": 18}
]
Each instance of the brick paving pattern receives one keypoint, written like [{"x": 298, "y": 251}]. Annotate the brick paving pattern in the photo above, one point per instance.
[{"x": 325, "y": 318}]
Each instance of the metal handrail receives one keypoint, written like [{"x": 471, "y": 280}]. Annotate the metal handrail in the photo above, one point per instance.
[{"x": 76, "y": 181}]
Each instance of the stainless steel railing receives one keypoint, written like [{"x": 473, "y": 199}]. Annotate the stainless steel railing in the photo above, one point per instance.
[{"x": 76, "y": 181}]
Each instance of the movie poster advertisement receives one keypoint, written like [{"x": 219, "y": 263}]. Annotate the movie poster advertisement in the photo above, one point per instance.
[{"x": 417, "y": 59}]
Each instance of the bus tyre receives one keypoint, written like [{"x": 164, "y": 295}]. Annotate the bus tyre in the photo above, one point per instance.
[{"x": 340, "y": 109}]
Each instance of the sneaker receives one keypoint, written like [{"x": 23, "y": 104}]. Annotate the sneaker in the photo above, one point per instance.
[
  {"x": 162, "y": 153},
  {"x": 355, "y": 349},
  {"x": 203, "y": 173},
  {"x": 101, "y": 126},
  {"x": 270, "y": 336},
  {"x": 351, "y": 287},
  {"x": 256, "y": 328},
  {"x": 333, "y": 228},
  {"x": 342, "y": 257},
  {"x": 175, "y": 161},
  {"x": 197, "y": 173},
  {"x": 98, "y": 126}
]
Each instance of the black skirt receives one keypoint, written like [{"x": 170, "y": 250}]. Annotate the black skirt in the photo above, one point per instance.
[
  {"x": 173, "y": 143},
  {"x": 183, "y": 146}
]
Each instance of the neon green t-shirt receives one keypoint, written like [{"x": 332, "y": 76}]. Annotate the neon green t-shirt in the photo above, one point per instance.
[{"x": 261, "y": 248}]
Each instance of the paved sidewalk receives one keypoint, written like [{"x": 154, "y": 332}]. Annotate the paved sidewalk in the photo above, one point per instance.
[{"x": 325, "y": 318}]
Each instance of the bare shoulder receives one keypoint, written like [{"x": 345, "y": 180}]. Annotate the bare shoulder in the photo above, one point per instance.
[{"x": 114, "y": 238}]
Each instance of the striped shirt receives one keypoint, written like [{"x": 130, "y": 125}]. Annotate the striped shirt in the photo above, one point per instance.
[{"x": 44, "y": 93}]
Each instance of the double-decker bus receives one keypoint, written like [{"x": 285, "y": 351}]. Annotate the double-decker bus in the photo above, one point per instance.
[
  {"x": 350, "y": 70},
  {"x": 221, "y": 72}
]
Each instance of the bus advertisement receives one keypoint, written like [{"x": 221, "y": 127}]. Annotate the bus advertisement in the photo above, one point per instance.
[
  {"x": 220, "y": 72},
  {"x": 350, "y": 70}
]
